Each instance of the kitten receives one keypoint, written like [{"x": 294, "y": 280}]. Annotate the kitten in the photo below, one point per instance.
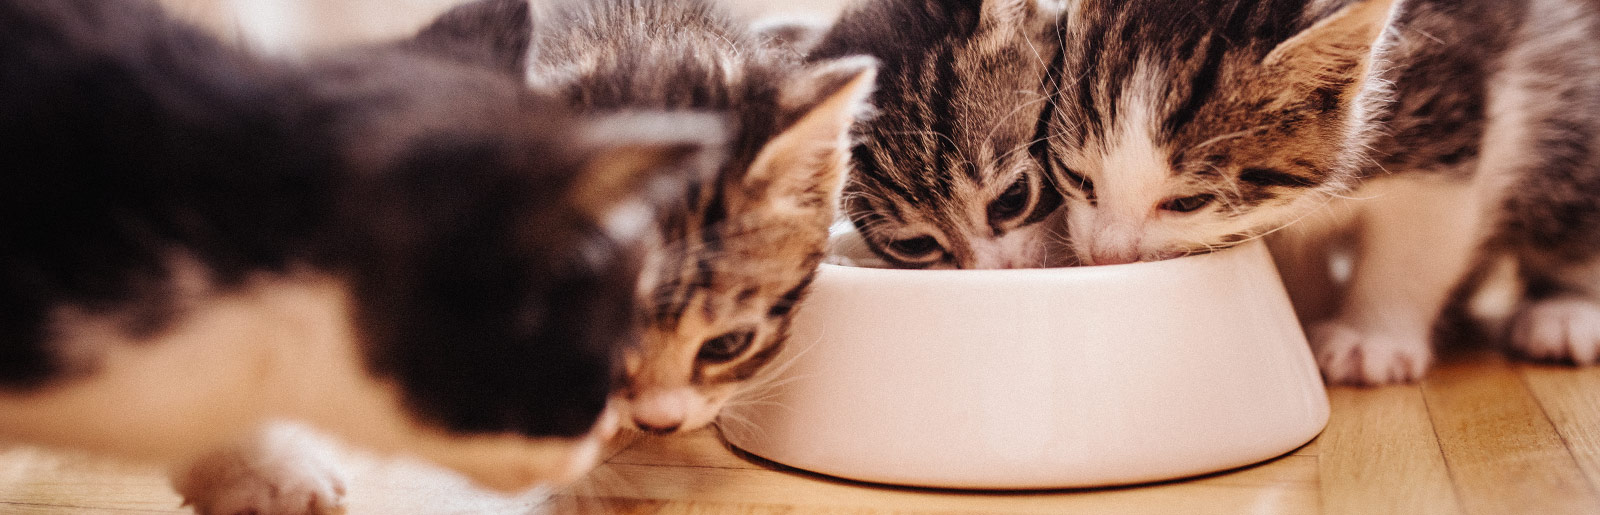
[
  {"x": 947, "y": 173},
  {"x": 414, "y": 255},
  {"x": 1435, "y": 132},
  {"x": 731, "y": 261}
]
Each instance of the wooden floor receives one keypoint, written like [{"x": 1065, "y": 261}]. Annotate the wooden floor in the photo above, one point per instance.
[{"x": 1481, "y": 436}]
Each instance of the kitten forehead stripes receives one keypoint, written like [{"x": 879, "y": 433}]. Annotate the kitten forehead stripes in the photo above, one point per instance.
[{"x": 1188, "y": 42}]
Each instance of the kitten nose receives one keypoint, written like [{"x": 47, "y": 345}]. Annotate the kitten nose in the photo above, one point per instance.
[
  {"x": 660, "y": 412},
  {"x": 1112, "y": 254},
  {"x": 1112, "y": 258},
  {"x": 1115, "y": 244}
]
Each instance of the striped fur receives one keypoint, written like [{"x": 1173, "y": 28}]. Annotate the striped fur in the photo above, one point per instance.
[
  {"x": 1435, "y": 133},
  {"x": 1181, "y": 128},
  {"x": 734, "y": 259},
  {"x": 946, "y": 175}
]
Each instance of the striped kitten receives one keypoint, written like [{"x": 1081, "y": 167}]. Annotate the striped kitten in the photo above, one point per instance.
[
  {"x": 1187, "y": 127},
  {"x": 946, "y": 175},
  {"x": 729, "y": 263},
  {"x": 417, "y": 256}
]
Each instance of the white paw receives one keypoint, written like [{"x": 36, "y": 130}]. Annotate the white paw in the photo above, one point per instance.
[
  {"x": 1559, "y": 329},
  {"x": 1351, "y": 356},
  {"x": 284, "y": 474}
]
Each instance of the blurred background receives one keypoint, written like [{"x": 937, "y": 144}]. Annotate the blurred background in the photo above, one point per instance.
[{"x": 296, "y": 26}]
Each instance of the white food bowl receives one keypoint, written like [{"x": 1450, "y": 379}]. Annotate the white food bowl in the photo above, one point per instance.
[{"x": 1046, "y": 378}]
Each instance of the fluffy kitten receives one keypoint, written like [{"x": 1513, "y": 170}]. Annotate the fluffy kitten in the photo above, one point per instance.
[
  {"x": 414, "y": 255},
  {"x": 947, "y": 173},
  {"x": 730, "y": 262},
  {"x": 1434, "y": 132}
]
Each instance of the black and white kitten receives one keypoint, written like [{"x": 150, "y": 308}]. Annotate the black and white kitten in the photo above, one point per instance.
[{"x": 414, "y": 255}]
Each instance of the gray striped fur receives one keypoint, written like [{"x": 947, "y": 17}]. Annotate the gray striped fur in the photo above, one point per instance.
[{"x": 957, "y": 124}]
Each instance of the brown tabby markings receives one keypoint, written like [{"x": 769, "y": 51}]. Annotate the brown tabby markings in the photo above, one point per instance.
[
  {"x": 946, "y": 174},
  {"x": 734, "y": 258},
  {"x": 1438, "y": 134}
]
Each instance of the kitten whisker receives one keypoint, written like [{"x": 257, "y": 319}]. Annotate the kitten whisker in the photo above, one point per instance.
[
  {"x": 1325, "y": 204},
  {"x": 1037, "y": 55},
  {"x": 1022, "y": 148},
  {"x": 999, "y": 124},
  {"x": 1229, "y": 136}
]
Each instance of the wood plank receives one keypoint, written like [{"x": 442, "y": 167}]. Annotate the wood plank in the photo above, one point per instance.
[
  {"x": 12, "y": 508},
  {"x": 1571, "y": 401},
  {"x": 696, "y": 472},
  {"x": 1504, "y": 455},
  {"x": 1378, "y": 455},
  {"x": 1311, "y": 448},
  {"x": 34, "y": 479},
  {"x": 1295, "y": 493},
  {"x": 702, "y": 448},
  {"x": 621, "y": 506}
]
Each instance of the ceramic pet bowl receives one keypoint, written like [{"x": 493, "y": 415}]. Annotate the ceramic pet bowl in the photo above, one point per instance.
[{"x": 1046, "y": 378}]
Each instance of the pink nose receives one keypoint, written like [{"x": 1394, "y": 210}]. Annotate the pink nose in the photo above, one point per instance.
[
  {"x": 1112, "y": 255},
  {"x": 1115, "y": 242},
  {"x": 660, "y": 412}
]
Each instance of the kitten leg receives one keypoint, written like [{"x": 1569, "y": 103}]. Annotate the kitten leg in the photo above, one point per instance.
[
  {"x": 1547, "y": 131},
  {"x": 1416, "y": 239},
  {"x": 283, "y": 469},
  {"x": 1564, "y": 328},
  {"x": 1560, "y": 321}
]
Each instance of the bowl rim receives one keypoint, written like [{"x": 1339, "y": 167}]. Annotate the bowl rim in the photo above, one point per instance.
[{"x": 1149, "y": 267}]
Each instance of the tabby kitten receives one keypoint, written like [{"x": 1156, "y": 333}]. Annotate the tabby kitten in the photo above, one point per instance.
[
  {"x": 414, "y": 255},
  {"x": 946, "y": 174},
  {"x": 1436, "y": 133},
  {"x": 730, "y": 262}
]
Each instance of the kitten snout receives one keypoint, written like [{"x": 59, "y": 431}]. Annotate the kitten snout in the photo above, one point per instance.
[
  {"x": 1024, "y": 247},
  {"x": 1115, "y": 244},
  {"x": 662, "y": 411}
]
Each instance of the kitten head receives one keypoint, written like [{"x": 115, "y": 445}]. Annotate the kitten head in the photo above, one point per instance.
[
  {"x": 734, "y": 261},
  {"x": 733, "y": 258},
  {"x": 1185, "y": 128},
  {"x": 946, "y": 174}
]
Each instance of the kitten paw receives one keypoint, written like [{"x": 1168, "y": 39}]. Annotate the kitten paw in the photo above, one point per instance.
[
  {"x": 283, "y": 476},
  {"x": 1350, "y": 356},
  {"x": 1560, "y": 329}
]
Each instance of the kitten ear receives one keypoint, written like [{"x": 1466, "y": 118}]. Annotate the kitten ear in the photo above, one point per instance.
[
  {"x": 642, "y": 161},
  {"x": 493, "y": 33},
  {"x": 802, "y": 169},
  {"x": 1337, "y": 50}
]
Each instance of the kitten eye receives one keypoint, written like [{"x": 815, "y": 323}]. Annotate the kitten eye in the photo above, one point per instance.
[
  {"x": 1188, "y": 204},
  {"x": 1011, "y": 202},
  {"x": 1077, "y": 180},
  {"x": 915, "y": 247},
  {"x": 725, "y": 348}
]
